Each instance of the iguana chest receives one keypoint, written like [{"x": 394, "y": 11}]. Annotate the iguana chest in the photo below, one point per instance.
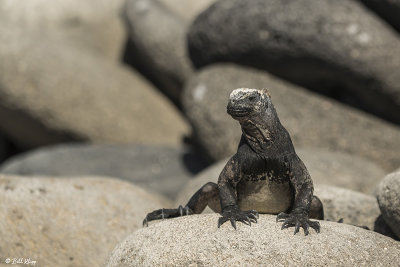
[{"x": 266, "y": 190}]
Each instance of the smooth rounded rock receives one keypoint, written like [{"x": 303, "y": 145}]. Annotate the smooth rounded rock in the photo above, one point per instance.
[
  {"x": 341, "y": 170},
  {"x": 337, "y": 47},
  {"x": 69, "y": 221},
  {"x": 353, "y": 207},
  {"x": 161, "y": 169},
  {"x": 195, "y": 240},
  {"x": 54, "y": 92},
  {"x": 94, "y": 26},
  {"x": 157, "y": 45},
  {"x": 389, "y": 201},
  {"x": 313, "y": 121}
]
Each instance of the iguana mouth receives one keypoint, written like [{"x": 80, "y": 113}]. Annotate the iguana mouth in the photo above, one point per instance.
[{"x": 238, "y": 112}]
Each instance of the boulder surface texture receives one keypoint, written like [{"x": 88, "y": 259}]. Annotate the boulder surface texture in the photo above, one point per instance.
[
  {"x": 196, "y": 241},
  {"x": 70, "y": 221}
]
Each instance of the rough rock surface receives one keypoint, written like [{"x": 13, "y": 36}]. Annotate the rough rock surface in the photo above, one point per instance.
[
  {"x": 162, "y": 169},
  {"x": 389, "y": 10},
  {"x": 354, "y": 207},
  {"x": 157, "y": 44},
  {"x": 389, "y": 201},
  {"x": 313, "y": 121},
  {"x": 93, "y": 26},
  {"x": 69, "y": 222},
  {"x": 336, "y": 47},
  {"x": 196, "y": 241},
  {"x": 53, "y": 92}
]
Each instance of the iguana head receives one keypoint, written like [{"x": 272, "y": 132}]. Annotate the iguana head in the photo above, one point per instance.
[{"x": 245, "y": 103}]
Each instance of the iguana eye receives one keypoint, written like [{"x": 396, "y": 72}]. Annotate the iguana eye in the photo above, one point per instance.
[{"x": 252, "y": 98}]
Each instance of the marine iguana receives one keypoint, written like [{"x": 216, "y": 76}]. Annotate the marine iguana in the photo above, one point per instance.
[{"x": 265, "y": 175}]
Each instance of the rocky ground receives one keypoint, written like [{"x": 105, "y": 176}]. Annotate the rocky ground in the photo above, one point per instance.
[{"x": 111, "y": 109}]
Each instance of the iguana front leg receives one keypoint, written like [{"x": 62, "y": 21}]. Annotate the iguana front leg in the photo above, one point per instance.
[
  {"x": 302, "y": 185},
  {"x": 207, "y": 195},
  {"x": 228, "y": 179}
]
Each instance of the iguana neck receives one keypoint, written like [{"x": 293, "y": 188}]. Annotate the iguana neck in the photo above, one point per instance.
[{"x": 259, "y": 135}]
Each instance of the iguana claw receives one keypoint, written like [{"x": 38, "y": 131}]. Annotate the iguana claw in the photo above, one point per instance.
[
  {"x": 297, "y": 219},
  {"x": 234, "y": 214}
]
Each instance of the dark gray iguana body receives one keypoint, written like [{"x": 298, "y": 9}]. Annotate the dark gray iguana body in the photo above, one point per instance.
[{"x": 265, "y": 175}]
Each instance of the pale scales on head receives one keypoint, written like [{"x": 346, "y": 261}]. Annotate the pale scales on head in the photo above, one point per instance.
[{"x": 243, "y": 92}]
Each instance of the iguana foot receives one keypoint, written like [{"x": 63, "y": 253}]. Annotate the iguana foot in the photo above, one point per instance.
[
  {"x": 297, "y": 219},
  {"x": 234, "y": 214},
  {"x": 166, "y": 213}
]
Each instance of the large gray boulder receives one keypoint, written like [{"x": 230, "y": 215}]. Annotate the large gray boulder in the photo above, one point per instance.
[
  {"x": 161, "y": 169},
  {"x": 157, "y": 44},
  {"x": 313, "y": 121},
  {"x": 196, "y": 241},
  {"x": 69, "y": 221},
  {"x": 389, "y": 201},
  {"x": 336, "y": 47},
  {"x": 353, "y": 207},
  {"x": 94, "y": 26},
  {"x": 54, "y": 92},
  {"x": 342, "y": 170}
]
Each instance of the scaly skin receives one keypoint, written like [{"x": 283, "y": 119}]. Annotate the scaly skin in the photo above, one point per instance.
[{"x": 265, "y": 160}]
